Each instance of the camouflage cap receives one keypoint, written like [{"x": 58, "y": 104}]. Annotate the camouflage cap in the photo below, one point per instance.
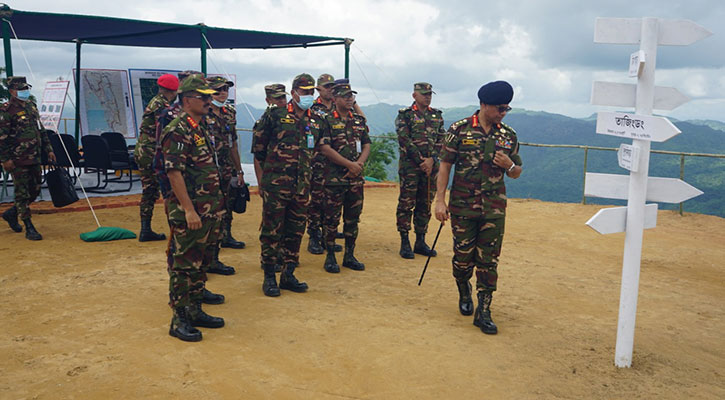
[
  {"x": 342, "y": 89},
  {"x": 423, "y": 88},
  {"x": 195, "y": 83},
  {"x": 275, "y": 90},
  {"x": 325, "y": 80},
  {"x": 341, "y": 80},
  {"x": 217, "y": 82},
  {"x": 303, "y": 81},
  {"x": 183, "y": 74},
  {"x": 17, "y": 83}
]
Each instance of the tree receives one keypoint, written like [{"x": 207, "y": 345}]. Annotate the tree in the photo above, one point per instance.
[{"x": 382, "y": 153}]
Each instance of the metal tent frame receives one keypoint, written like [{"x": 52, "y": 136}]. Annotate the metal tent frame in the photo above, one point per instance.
[{"x": 88, "y": 29}]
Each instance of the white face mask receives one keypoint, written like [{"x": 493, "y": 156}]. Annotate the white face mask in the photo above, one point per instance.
[
  {"x": 306, "y": 102},
  {"x": 23, "y": 95},
  {"x": 217, "y": 103}
]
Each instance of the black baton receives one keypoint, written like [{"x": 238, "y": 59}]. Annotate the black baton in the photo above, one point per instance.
[{"x": 431, "y": 253}]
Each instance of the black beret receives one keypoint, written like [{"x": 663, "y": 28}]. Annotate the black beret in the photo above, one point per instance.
[{"x": 494, "y": 93}]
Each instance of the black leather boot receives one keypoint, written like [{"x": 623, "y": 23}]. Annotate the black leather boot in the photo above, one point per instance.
[
  {"x": 218, "y": 267},
  {"x": 349, "y": 260},
  {"x": 11, "y": 216},
  {"x": 465, "y": 300},
  {"x": 421, "y": 248},
  {"x": 197, "y": 317},
  {"x": 228, "y": 241},
  {"x": 331, "y": 265},
  {"x": 146, "y": 234},
  {"x": 209, "y": 297},
  {"x": 288, "y": 281},
  {"x": 482, "y": 319},
  {"x": 30, "y": 232},
  {"x": 339, "y": 235},
  {"x": 314, "y": 245},
  {"x": 269, "y": 286},
  {"x": 181, "y": 327},
  {"x": 405, "y": 250}
]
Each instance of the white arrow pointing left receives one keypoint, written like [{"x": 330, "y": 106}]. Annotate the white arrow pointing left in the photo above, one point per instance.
[{"x": 614, "y": 220}]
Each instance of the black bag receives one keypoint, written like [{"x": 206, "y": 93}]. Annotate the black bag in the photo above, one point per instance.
[
  {"x": 239, "y": 197},
  {"x": 60, "y": 186}
]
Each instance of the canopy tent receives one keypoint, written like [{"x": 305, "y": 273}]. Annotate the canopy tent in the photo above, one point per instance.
[{"x": 87, "y": 29}]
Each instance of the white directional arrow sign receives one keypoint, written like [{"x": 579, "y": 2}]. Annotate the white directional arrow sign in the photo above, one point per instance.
[
  {"x": 672, "y": 32},
  {"x": 633, "y": 126},
  {"x": 623, "y": 95},
  {"x": 614, "y": 220},
  {"x": 660, "y": 190}
]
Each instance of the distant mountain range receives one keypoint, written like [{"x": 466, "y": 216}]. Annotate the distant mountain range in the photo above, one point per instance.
[{"x": 556, "y": 174}]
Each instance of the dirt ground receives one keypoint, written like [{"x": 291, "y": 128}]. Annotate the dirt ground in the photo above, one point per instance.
[{"x": 90, "y": 320}]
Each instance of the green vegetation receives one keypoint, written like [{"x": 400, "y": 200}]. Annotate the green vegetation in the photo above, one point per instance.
[{"x": 382, "y": 154}]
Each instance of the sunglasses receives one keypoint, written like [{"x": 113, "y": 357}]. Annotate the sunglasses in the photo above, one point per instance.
[{"x": 503, "y": 109}]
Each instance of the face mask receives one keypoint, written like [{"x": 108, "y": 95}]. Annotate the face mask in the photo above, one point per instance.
[
  {"x": 24, "y": 95},
  {"x": 218, "y": 104},
  {"x": 305, "y": 102}
]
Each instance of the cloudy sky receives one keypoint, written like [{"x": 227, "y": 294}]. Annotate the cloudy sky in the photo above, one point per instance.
[{"x": 544, "y": 48}]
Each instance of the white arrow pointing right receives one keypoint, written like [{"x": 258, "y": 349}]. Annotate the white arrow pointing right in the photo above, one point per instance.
[
  {"x": 660, "y": 190},
  {"x": 671, "y": 32},
  {"x": 623, "y": 95}
]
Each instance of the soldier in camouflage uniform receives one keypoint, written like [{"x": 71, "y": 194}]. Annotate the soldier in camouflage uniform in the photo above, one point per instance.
[
  {"x": 194, "y": 208},
  {"x": 145, "y": 150},
  {"x": 323, "y": 106},
  {"x": 22, "y": 140},
  {"x": 283, "y": 145},
  {"x": 483, "y": 150},
  {"x": 420, "y": 135},
  {"x": 346, "y": 144}
]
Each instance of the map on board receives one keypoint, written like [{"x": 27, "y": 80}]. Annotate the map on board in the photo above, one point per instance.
[
  {"x": 144, "y": 88},
  {"x": 105, "y": 102}
]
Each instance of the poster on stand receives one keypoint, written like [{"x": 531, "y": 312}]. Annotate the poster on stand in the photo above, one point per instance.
[{"x": 51, "y": 105}]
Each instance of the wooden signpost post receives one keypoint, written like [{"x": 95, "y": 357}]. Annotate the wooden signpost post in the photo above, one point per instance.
[{"x": 642, "y": 128}]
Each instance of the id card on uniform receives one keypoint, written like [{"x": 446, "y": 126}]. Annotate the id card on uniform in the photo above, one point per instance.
[
  {"x": 358, "y": 146},
  {"x": 310, "y": 141}
]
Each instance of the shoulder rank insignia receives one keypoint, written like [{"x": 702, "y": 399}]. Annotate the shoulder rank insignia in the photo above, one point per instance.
[
  {"x": 199, "y": 140},
  {"x": 457, "y": 124}
]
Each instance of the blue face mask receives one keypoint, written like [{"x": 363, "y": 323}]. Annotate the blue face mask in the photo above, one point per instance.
[
  {"x": 23, "y": 95},
  {"x": 218, "y": 104},
  {"x": 305, "y": 102}
]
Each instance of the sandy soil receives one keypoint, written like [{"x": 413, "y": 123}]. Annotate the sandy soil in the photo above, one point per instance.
[{"x": 90, "y": 320}]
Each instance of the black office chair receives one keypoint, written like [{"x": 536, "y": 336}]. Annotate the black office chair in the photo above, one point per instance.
[{"x": 97, "y": 158}]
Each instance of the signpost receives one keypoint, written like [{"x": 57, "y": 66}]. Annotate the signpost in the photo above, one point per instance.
[{"x": 648, "y": 33}]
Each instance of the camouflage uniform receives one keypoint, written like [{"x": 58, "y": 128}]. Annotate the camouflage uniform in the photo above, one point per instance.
[
  {"x": 478, "y": 197},
  {"x": 187, "y": 147},
  {"x": 346, "y": 136},
  {"x": 144, "y": 154},
  {"x": 420, "y": 135},
  {"x": 317, "y": 192},
  {"x": 284, "y": 145},
  {"x": 224, "y": 134},
  {"x": 22, "y": 139}
]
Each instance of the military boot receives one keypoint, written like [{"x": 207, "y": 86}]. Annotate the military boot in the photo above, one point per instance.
[
  {"x": 197, "y": 317},
  {"x": 30, "y": 232},
  {"x": 288, "y": 281},
  {"x": 331, "y": 265},
  {"x": 218, "y": 267},
  {"x": 269, "y": 286},
  {"x": 349, "y": 260},
  {"x": 228, "y": 240},
  {"x": 11, "y": 216},
  {"x": 405, "y": 250},
  {"x": 146, "y": 234},
  {"x": 181, "y": 327},
  {"x": 209, "y": 297},
  {"x": 482, "y": 318},
  {"x": 339, "y": 235},
  {"x": 421, "y": 248},
  {"x": 314, "y": 245},
  {"x": 465, "y": 300}
]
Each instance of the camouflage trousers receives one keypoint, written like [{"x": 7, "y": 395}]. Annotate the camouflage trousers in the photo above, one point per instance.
[
  {"x": 190, "y": 254},
  {"x": 225, "y": 185},
  {"x": 477, "y": 243},
  {"x": 315, "y": 211},
  {"x": 26, "y": 182},
  {"x": 149, "y": 192},
  {"x": 417, "y": 191},
  {"x": 347, "y": 199},
  {"x": 284, "y": 216}
]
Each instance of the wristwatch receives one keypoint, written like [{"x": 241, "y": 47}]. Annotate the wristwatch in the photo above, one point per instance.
[{"x": 511, "y": 168}]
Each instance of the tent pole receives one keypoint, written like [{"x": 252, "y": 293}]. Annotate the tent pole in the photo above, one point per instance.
[
  {"x": 203, "y": 48},
  {"x": 78, "y": 90},
  {"x": 348, "y": 41},
  {"x": 8, "y": 54}
]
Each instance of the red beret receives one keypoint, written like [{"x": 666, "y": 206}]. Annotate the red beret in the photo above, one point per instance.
[{"x": 168, "y": 81}]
